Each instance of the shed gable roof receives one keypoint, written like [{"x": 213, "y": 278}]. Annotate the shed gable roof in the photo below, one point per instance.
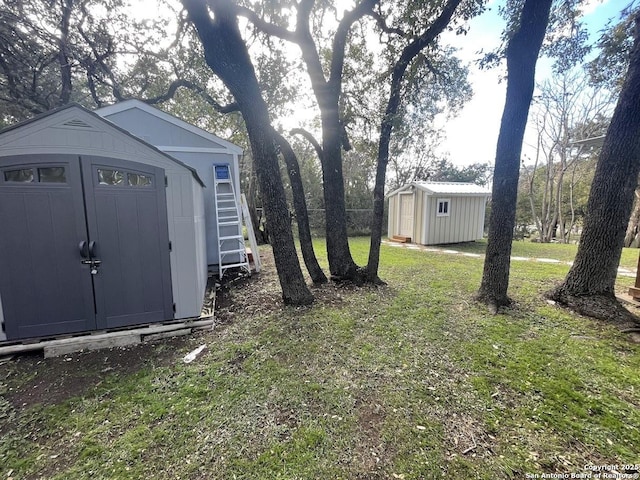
[
  {"x": 201, "y": 136},
  {"x": 75, "y": 117},
  {"x": 466, "y": 189}
]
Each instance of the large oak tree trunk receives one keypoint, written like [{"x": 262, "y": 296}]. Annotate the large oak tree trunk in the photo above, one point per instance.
[
  {"x": 341, "y": 264},
  {"x": 589, "y": 285},
  {"x": 522, "y": 55},
  {"x": 300, "y": 207},
  {"x": 227, "y": 55}
]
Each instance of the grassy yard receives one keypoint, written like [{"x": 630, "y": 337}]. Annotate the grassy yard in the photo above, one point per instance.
[
  {"x": 409, "y": 381},
  {"x": 556, "y": 251}
]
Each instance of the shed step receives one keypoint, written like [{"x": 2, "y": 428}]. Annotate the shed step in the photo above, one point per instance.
[{"x": 400, "y": 238}]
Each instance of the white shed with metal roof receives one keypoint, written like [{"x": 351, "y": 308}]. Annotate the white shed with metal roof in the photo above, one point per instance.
[{"x": 434, "y": 213}]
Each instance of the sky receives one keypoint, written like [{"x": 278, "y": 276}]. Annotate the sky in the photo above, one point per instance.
[{"x": 471, "y": 137}]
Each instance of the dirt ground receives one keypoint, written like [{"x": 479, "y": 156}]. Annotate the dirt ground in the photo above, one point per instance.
[{"x": 28, "y": 379}]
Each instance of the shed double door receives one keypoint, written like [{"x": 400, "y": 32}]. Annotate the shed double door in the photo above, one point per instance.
[{"x": 83, "y": 245}]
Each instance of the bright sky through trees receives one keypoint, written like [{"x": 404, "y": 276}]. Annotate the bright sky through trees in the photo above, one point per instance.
[{"x": 471, "y": 137}]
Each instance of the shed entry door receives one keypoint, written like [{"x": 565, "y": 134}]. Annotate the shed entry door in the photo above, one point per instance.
[
  {"x": 83, "y": 245},
  {"x": 406, "y": 215}
]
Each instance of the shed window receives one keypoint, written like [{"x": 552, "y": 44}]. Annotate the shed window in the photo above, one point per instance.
[
  {"x": 443, "y": 207},
  {"x": 23, "y": 175},
  {"x": 52, "y": 175},
  {"x": 138, "y": 180},
  {"x": 36, "y": 175},
  {"x": 110, "y": 177}
]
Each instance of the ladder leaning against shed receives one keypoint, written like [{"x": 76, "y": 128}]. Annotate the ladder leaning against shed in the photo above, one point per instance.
[{"x": 232, "y": 252}]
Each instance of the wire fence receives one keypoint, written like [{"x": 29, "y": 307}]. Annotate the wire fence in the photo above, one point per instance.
[{"x": 358, "y": 221}]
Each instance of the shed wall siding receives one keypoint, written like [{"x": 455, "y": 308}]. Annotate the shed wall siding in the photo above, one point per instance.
[
  {"x": 203, "y": 163},
  {"x": 418, "y": 226},
  {"x": 157, "y": 131},
  {"x": 465, "y": 221},
  {"x": 186, "y": 276}
]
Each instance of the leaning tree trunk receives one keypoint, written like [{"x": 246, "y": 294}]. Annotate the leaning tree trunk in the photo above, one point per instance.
[
  {"x": 300, "y": 207},
  {"x": 227, "y": 56},
  {"x": 522, "y": 55},
  {"x": 589, "y": 285}
]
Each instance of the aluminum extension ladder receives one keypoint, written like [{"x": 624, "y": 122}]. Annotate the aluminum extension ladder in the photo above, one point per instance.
[{"x": 232, "y": 252}]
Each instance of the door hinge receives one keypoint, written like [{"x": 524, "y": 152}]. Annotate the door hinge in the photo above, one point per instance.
[
  {"x": 166, "y": 181},
  {"x": 174, "y": 308},
  {"x": 170, "y": 247}
]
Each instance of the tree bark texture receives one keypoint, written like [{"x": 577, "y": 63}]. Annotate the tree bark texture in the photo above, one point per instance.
[
  {"x": 63, "y": 54},
  {"x": 594, "y": 270},
  {"x": 300, "y": 207},
  {"x": 327, "y": 93},
  {"x": 522, "y": 55},
  {"x": 259, "y": 229},
  {"x": 228, "y": 57},
  {"x": 386, "y": 127}
]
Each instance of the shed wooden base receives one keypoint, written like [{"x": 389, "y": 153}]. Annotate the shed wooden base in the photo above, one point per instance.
[
  {"x": 96, "y": 341},
  {"x": 634, "y": 292},
  {"x": 400, "y": 239}
]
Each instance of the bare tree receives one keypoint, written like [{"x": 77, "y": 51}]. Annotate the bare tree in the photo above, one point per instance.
[
  {"x": 589, "y": 285},
  {"x": 566, "y": 111}
]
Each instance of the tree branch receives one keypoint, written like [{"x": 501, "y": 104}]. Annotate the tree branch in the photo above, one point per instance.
[
  {"x": 384, "y": 27},
  {"x": 310, "y": 138},
  {"x": 340, "y": 40},
  {"x": 176, "y": 84},
  {"x": 266, "y": 27}
]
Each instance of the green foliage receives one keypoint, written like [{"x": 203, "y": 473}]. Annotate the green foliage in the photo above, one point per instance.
[
  {"x": 90, "y": 52},
  {"x": 445, "y": 171},
  {"x": 610, "y": 66},
  {"x": 566, "y": 40}
]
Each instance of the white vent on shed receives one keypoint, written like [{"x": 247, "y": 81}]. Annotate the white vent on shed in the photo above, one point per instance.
[{"x": 76, "y": 123}]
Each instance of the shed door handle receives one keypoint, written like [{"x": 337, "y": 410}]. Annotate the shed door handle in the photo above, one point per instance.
[
  {"x": 84, "y": 249},
  {"x": 92, "y": 249}
]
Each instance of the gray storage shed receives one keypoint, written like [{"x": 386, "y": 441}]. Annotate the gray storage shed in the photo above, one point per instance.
[
  {"x": 191, "y": 145},
  {"x": 98, "y": 229},
  {"x": 433, "y": 213}
]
